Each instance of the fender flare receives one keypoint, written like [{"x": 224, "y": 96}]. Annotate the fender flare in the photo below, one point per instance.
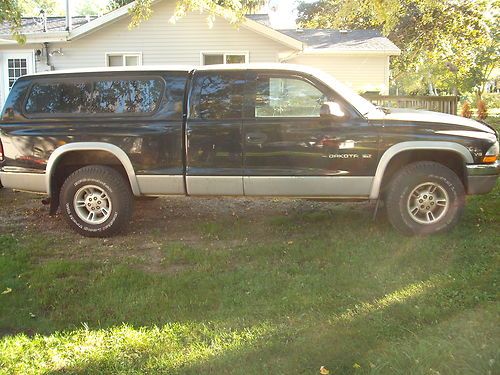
[
  {"x": 91, "y": 146},
  {"x": 394, "y": 150}
]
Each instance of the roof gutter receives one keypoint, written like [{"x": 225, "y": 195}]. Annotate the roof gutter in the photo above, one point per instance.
[
  {"x": 7, "y": 41},
  {"x": 50, "y": 37}
]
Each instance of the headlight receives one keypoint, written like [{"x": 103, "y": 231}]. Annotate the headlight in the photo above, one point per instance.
[{"x": 492, "y": 154}]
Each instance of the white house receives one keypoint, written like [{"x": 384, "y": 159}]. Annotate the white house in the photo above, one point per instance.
[{"x": 359, "y": 58}]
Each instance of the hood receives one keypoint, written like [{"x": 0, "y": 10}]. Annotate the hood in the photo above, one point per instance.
[{"x": 415, "y": 115}]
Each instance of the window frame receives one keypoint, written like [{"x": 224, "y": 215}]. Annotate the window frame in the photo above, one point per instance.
[
  {"x": 4, "y": 57},
  {"x": 327, "y": 92},
  {"x": 14, "y": 68},
  {"x": 224, "y": 55},
  {"x": 124, "y": 55},
  {"x": 194, "y": 94},
  {"x": 92, "y": 80}
]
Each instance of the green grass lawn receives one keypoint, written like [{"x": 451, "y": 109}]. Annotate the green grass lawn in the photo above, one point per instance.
[{"x": 248, "y": 287}]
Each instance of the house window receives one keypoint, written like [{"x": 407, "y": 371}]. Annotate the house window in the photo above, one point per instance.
[
  {"x": 211, "y": 58},
  {"x": 123, "y": 59},
  {"x": 16, "y": 68}
]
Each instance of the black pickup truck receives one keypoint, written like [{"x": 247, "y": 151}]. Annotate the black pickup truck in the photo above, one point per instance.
[{"x": 92, "y": 140}]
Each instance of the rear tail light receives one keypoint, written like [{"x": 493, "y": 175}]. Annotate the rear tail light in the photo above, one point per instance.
[{"x": 1, "y": 151}]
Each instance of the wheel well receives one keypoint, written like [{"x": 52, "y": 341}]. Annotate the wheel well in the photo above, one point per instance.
[
  {"x": 74, "y": 160},
  {"x": 450, "y": 159}
]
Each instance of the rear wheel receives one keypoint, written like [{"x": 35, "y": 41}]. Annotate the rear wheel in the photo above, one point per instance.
[
  {"x": 96, "y": 201},
  {"x": 425, "y": 198}
]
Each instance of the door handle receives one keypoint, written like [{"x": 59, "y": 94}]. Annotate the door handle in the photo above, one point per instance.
[{"x": 256, "y": 138}]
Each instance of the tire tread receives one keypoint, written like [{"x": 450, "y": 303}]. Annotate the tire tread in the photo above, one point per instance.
[
  {"x": 120, "y": 187},
  {"x": 400, "y": 180}
]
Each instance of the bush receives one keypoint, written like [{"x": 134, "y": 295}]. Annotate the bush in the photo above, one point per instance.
[
  {"x": 482, "y": 110},
  {"x": 492, "y": 99},
  {"x": 466, "y": 110}
]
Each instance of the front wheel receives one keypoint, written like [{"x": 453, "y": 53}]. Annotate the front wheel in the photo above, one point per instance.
[
  {"x": 425, "y": 198},
  {"x": 96, "y": 201}
]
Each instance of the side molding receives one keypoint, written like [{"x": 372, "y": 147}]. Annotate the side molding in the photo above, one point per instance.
[
  {"x": 414, "y": 145},
  {"x": 308, "y": 186},
  {"x": 92, "y": 146},
  {"x": 215, "y": 185}
]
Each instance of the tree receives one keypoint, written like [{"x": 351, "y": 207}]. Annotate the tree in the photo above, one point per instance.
[
  {"x": 91, "y": 8},
  {"x": 486, "y": 55},
  {"x": 34, "y": 7},
  {"x": 115, "y": 4},
  {"x": 232, "y": 10},
  {"x": 432, "y": 34},
  {"x": 10, "y": 12}
]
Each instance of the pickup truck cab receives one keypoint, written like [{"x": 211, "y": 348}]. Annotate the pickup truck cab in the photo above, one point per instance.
[{"x": 93, "y": 139}]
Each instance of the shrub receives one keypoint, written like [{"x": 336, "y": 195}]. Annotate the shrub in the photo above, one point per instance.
[
  {"x": 466, "y": 110},
  {"x": 492, "y": 100},
  {"x": 482, "y": 110}
]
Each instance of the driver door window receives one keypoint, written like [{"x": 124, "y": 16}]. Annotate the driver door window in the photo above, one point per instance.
[{"x": 287, "y": 97}]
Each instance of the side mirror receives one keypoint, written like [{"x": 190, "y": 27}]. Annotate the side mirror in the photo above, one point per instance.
[
  {"x": 332, "y": 109},
  {"x": 8, "y": 114}
]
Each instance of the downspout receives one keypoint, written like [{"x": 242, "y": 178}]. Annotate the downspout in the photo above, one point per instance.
[
  {"x": 47, "y": 55},
  {"x": 292, "y": 55},
  {"x": 296, "y": 53},
  {"x": 69, "y": 21}
]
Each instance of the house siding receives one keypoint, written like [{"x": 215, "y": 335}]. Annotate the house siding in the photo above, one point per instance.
[
  {"x": 162, "y": 42},
  {"x": 360, "y": 72}
]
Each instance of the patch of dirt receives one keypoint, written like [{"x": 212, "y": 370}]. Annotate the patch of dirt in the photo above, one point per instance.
[{"x": 155, "y": 224}]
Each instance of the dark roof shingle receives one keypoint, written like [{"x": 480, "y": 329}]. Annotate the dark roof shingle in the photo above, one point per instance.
[
  {"x": 33, "y": 25},
  {"x": 260, "y": 18},
  {"x": 364, "y": 40}
]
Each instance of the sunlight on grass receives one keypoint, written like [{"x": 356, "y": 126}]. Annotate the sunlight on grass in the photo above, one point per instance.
[
  {"x": 172, "y": 346},
  {"x": 466, "y": 343},
  {"x": 399, "y": 296},
  {"x": 279, "y": 290}
]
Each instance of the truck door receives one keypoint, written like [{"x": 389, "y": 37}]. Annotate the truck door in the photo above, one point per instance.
[
  {"x": 290, "y": 149},
  {"x": 214, "y": 163}
]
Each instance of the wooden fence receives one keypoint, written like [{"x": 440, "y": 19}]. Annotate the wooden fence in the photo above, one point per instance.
[{"x": 445, "y": 104}]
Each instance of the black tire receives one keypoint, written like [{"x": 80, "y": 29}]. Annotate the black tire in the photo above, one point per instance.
[
  {"x": 108, "y": 193},
  {"x": 421, "y": 214}
]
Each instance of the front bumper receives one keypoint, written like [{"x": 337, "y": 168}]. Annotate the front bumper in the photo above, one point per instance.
[{"x": 481, "y": 178}]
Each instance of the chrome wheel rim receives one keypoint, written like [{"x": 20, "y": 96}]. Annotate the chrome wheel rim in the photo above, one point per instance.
[
  {"x": 428, "y": 203},
  {"x": 92, "y": 205}
]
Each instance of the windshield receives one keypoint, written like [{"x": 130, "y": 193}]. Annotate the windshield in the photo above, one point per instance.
[{"x": 361, "y": 104}]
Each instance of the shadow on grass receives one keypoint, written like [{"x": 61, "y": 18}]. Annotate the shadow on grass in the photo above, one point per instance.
[
  {"x": 276, "y": 294},
  {"x": 345, "y": 342}
]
